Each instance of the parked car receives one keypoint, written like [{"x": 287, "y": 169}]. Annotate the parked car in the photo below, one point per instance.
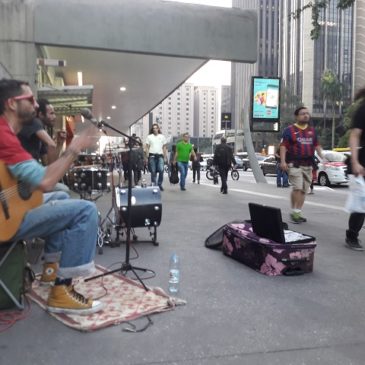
[
  {"x": 245, "y": 160},
  {"x": 332, "y": 170},
  {"x": 268, "y": 165}
]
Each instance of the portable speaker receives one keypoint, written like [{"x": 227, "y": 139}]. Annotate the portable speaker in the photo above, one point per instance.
[{"x": 146, "y": 207}]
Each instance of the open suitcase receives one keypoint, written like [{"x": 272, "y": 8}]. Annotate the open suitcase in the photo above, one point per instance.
[{"x": 265, "y": 255}]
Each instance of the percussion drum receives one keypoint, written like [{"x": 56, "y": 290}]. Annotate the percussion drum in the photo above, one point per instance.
[{"x": 92, "y": 179}]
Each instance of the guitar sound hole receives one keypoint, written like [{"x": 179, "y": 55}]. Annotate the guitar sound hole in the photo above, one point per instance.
[{"x": 24, "y": 191}]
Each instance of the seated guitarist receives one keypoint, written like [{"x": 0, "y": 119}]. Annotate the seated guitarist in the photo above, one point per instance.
[{"x": 68, "y": 226}]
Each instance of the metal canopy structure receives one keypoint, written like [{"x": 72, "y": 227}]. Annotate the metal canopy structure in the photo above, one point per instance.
[{"x": 68, "y": 100}]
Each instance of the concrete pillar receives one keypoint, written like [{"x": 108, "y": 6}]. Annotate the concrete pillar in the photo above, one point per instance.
[{"x": 17, "y": 48}]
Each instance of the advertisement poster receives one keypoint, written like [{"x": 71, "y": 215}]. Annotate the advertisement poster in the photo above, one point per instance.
[{"x": 265, "y": 99}]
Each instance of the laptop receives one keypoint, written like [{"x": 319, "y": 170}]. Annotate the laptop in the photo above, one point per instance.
[{"x": 267, "y": 223}]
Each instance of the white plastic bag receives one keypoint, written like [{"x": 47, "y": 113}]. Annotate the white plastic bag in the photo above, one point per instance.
[{"x": 356, "y": 199}]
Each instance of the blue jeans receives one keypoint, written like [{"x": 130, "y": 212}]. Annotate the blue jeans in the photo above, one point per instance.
[
  {"x": 183, "y": 168},
  {"x": 281, "y": 176},
  {"x": 156, "y": 165},
  {"x": 69, "y": 228}
]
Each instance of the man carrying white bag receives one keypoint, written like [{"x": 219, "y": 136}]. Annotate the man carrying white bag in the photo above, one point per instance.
[{"x": 356, "y": 201}]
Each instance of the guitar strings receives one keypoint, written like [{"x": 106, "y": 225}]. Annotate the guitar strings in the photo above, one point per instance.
[{"x": 13, "y": 191}]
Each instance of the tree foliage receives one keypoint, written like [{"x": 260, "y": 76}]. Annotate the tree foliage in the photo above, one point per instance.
[
  {"x": 316, "y": 6},
  {"x": 331, "y": 87},
  {"x": 289, "y": 102}
]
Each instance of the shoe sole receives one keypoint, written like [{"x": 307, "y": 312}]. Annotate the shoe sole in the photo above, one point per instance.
[
  {"x": 354, "y": 248},
  {"x": 80, "y": 312},
  {"x": 46, "y": 283}
]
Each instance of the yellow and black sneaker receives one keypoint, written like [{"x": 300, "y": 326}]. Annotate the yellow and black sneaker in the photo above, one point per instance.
[{"x": 64, "y": 299}]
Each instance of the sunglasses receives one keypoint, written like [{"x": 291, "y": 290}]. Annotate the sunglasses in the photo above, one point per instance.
[{"x": 30, "y": 98}]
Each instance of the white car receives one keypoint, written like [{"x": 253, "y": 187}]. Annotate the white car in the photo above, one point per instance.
[{"x": 332, "y": 170}]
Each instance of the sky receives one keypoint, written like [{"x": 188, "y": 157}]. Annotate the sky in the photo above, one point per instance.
[{"x": 214, "y": 73}]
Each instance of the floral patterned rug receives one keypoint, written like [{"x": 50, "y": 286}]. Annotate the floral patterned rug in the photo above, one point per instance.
[{"x": 125, "y": 300}]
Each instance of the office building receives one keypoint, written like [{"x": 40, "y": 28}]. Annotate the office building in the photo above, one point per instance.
[
  {"x": 205, "y": 111},
  {"x": 226, "y": 99},
  {"x": 268, "y": 55},
  {"x": 359, "y": 46},
  {"x": 304, "y": 60}
]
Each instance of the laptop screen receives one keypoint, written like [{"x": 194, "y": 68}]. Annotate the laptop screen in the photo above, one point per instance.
[{"x": 267, "y": 222}]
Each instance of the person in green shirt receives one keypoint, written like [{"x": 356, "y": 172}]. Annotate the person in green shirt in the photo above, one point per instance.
[{"x": 184, "y": 150}]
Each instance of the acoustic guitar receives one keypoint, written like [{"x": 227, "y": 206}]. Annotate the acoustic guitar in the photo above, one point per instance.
[{"x": 16, "y": 198}]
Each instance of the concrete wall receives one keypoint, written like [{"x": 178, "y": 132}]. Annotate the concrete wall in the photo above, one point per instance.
[{"x": 17, "y": 48}]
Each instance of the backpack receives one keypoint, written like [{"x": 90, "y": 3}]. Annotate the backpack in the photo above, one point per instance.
[{"x": 174, "y": 174}]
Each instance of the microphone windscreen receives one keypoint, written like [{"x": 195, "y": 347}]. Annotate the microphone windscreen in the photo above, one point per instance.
[{"x": 86, "y": 113}]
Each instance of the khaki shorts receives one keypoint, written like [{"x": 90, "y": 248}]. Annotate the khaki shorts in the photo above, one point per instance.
[{"x": 300, "y": 177}]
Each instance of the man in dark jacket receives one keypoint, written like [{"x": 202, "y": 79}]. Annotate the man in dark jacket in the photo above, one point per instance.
[{"x": 223, "y": 160}]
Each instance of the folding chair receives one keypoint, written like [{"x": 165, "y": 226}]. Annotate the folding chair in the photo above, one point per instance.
[{"x": 12, "y": 266}]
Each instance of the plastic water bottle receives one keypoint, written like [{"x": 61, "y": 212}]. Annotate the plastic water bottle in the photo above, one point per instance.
[{"x": 174, "y": 278}]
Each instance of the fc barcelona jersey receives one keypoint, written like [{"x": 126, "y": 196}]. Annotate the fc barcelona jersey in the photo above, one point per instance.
[{"x": 300, "y": 143}]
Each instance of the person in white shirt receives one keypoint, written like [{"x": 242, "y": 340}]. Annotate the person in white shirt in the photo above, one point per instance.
[{"x": 156, "y": 150}]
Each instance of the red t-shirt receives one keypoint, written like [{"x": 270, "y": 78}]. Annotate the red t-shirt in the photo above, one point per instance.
[{"x": 11, "y": 150}]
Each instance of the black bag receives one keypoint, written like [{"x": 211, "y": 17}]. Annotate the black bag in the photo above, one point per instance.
[
  {"x": 174, "y": 174},
  {"x": 12, "y": 273},
  {"x": 215, "y": 240}
]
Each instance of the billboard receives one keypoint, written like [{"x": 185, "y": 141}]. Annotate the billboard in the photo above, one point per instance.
[{"x": 265, "y": 99}]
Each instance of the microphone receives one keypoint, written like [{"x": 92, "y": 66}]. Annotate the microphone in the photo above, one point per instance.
[{"x": 86, "y": 113}]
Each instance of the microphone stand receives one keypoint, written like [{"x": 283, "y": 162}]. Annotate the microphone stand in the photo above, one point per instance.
[{"x": 126, "y": 266}]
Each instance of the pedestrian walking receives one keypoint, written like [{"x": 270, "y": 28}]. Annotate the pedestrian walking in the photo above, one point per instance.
[
  {"x": 297, "y": 147},
  {"x": 184, "y": 151},
  {"x": 281, "y": 175},
  {"x": 156, "y": 150},
  {"x": 223, "y": 159},
  {"x": 195, "y": 164},
  {"x": 357, "y": 167}
]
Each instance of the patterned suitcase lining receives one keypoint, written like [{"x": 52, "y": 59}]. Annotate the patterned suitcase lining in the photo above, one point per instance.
[{"x": 264, "y": 255}]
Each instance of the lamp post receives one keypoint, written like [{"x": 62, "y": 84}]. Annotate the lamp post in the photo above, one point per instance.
[{"x": 339, "y": 105}]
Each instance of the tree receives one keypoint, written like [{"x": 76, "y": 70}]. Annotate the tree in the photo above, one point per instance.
[
  {"x": 331, "y": 89},
  {"x": 289, "y": 101},
  {"x": 317, "y": 6},
  {"x": 347, "y": 121}
]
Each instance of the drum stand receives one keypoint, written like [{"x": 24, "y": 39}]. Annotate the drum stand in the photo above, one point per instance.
[{"x": 126, "y": 265}]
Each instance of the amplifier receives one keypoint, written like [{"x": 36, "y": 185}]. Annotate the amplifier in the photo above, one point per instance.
[{"x": 146, "y": 207}]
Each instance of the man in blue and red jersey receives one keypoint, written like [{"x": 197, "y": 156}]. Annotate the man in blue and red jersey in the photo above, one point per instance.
[
  {"x": 68, "y": 226},
  {"x": 297, "y": 147}
]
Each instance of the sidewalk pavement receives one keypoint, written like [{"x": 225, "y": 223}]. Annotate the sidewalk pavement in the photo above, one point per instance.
[{"x": 233, "y": 315}]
